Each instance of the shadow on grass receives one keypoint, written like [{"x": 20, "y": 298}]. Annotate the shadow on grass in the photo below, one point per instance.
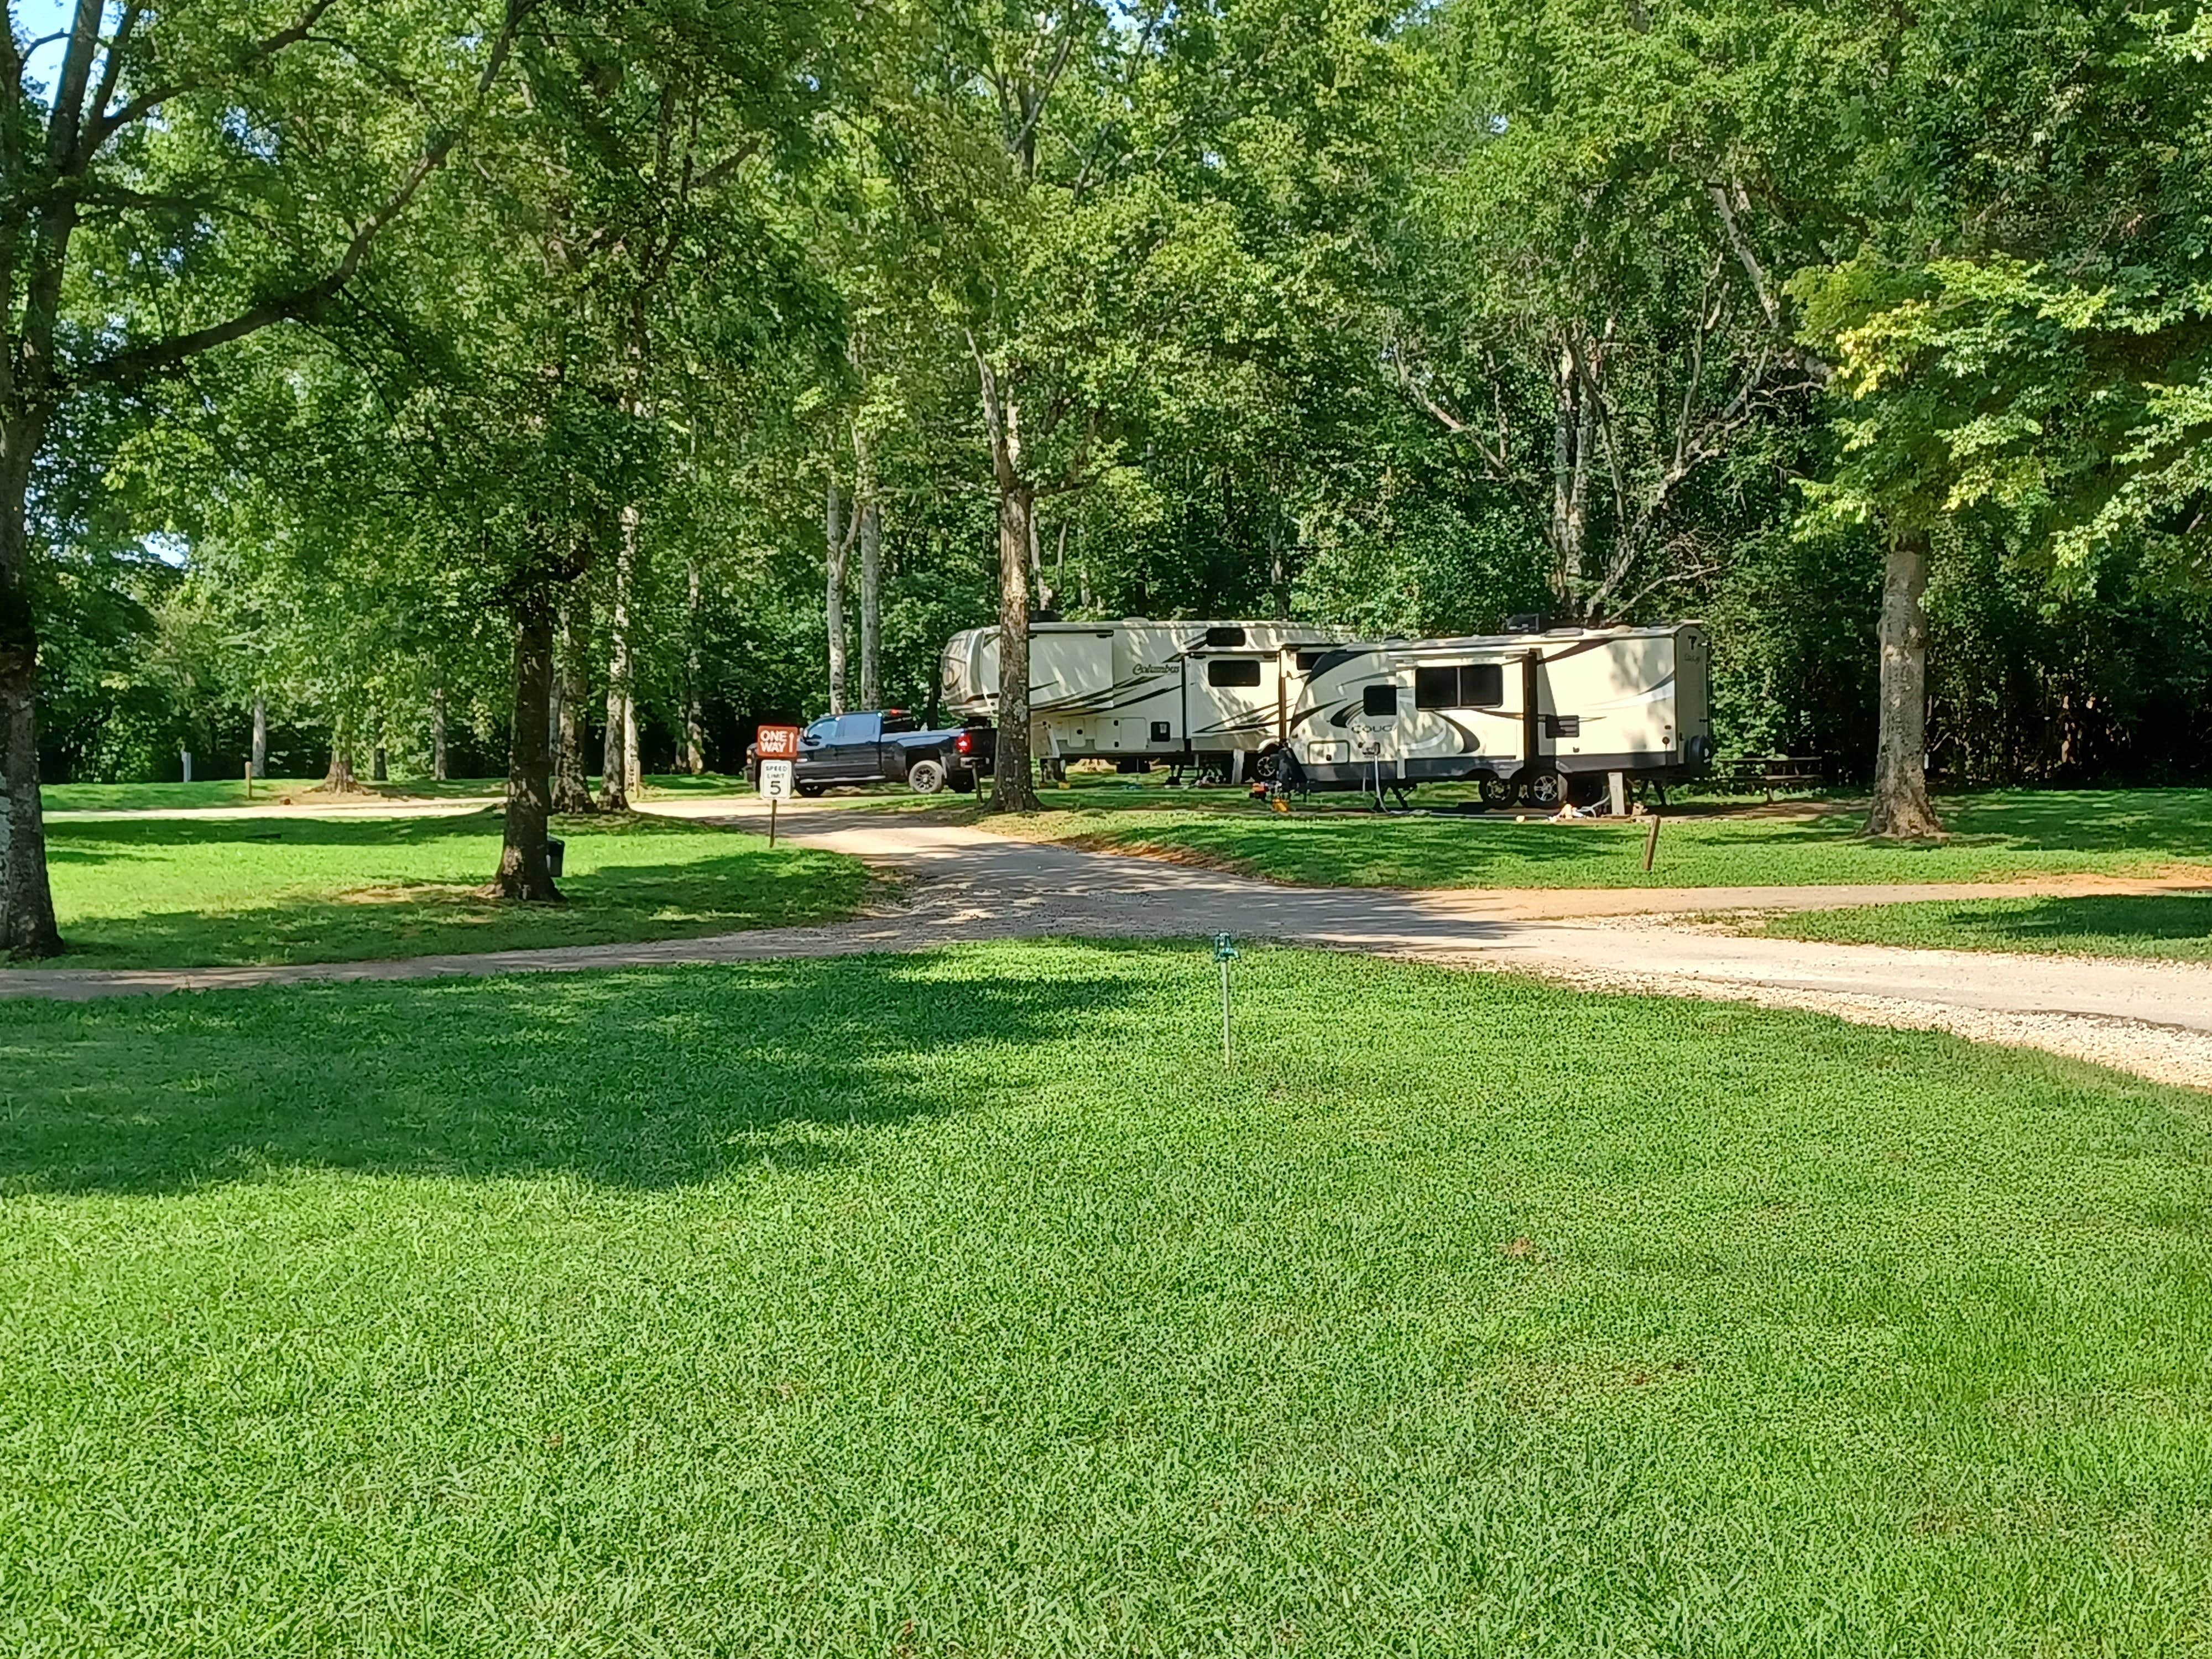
[
  {"x": 390, "y": 916},
  {"x": 2152, "y": 824},
  {"x": 68, "y": 839},
  {"x": 642, "y": 1079},
  {"x": 225, "y": 893},
  {"x": 2118, "y": 922}
]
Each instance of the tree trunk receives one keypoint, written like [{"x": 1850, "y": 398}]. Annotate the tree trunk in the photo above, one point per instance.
[
  {"x": 524, "y": 871},
  {"x": 260, "y": 738},
  {"x": 1279, "y": 571},
  {"x": 871, "y": 603},
  {"x": 1901, "y": 808},
  {"x": 615, "y": 769},
  {"x": 572, "y": 790},
  {"x": 26, "y": 903},
  {"x": 337, "y": 777},
  {"x": 438, "y": 737},
  {"x": 1012, "y": 788},
  {"x": 632, "y": 756},
  {"x": 695, "y": 732},
  {"x": 833, "y": 527}
]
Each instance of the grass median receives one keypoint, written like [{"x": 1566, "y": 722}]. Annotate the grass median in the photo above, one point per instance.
[
  {"x": 1994, "y": 837},
  {"x": 2174, "y": 927},
  {"x": 865, "y": 1307},
  {"x": 177, "y": 893}
]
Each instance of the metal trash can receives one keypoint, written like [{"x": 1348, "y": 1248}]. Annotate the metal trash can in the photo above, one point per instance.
[{"x": 555, "y": 849}]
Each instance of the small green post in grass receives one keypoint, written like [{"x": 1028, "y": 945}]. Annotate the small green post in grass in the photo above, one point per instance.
[{"x": 1225, "y": 953}]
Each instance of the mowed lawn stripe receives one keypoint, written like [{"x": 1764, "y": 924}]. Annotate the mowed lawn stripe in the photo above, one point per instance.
[
  {"x": 185, "y": 893},
  {"x": 962, "y": 1303},
  {"x": 1994, "y": 836}
]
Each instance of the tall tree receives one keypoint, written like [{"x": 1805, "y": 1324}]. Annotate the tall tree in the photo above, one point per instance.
[{"x": 193, "y": 175}]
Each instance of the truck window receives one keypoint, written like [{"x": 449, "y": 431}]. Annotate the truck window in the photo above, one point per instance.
[
  {"x": 897, "y": 721},
  {"x": 819, "y": 731},
  {"x": 858, "y": 728},
  {"x": 1379, "y": 702},
  {"x": 1233, "y": 670}
]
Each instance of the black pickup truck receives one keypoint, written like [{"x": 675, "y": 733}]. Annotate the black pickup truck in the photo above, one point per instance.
[{"x": 890, "y": 747}]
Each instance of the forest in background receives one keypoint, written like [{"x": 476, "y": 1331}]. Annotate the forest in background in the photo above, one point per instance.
[{"x": 377, "y": 371}]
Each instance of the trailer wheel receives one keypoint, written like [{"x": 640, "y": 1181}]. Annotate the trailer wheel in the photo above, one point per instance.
[
  {"x": 926, "y": 777},
  {"x": 1493, "y": 790},
  {"x": 810, "y": 790},
  {"x": 1541, "y": 788}
]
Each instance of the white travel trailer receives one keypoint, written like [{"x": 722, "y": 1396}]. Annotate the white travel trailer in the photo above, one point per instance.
[
  {"x": 1530, "y": 717},
  {"x": 1207, "y": 694}
]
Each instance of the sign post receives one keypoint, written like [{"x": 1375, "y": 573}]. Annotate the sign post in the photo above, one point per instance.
[
  {"x": 775, "y": 784},
  {"x": 777, "y": 748}
]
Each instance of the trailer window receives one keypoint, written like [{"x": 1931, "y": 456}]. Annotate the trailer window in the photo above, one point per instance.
[
  {"x": 1233, "y": 670},
  {"x": 1475, "y": 685},
  {"x": 1227, "y": 639},
  {"x": 1379, "y": 700},
  {"x": 1309, "y": 661}
]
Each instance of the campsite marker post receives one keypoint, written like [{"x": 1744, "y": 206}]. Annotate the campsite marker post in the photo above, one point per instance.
[
  {"x": 1650, "y": 842},
  {"x": 1225, "y": 953}
]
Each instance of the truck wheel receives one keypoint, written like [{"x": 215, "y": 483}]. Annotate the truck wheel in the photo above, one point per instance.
[{"x": 926, "y": 777}]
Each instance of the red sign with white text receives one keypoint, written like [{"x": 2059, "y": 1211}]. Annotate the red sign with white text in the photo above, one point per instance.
[{"x": 777, "y": 742}]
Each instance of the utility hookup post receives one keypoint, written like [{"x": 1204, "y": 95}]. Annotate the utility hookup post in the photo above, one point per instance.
[{"x": 1225, "y": 953}]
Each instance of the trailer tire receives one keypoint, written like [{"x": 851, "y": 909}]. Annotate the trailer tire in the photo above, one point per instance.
[
  {"x": 810, "y": 790},
  {"x": 1541, "y": 788},
  {"x": 926, "y": 777},
  {"x": 1494, "y": 791}
]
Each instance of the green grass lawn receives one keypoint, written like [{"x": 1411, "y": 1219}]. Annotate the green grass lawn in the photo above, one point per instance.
[
  {"x": 857, "y": 1307},
  {"x": 196, "y": 892},
  {"x": 2177, "y": 925},
  {"x": 1994, "y": 836}
]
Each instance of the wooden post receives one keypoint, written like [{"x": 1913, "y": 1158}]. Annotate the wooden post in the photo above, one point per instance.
[
  {"x": 771, "y": 825},
  {"x": 1650, "y": 843}
]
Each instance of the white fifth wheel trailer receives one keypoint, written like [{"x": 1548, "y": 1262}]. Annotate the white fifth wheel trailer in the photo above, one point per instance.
[
  {"x": 1527, "y": 716},
  {"x": 1207, "y": 694}
]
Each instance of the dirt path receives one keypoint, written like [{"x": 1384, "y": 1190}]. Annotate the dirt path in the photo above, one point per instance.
[{"x": 964, "y": 884}]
